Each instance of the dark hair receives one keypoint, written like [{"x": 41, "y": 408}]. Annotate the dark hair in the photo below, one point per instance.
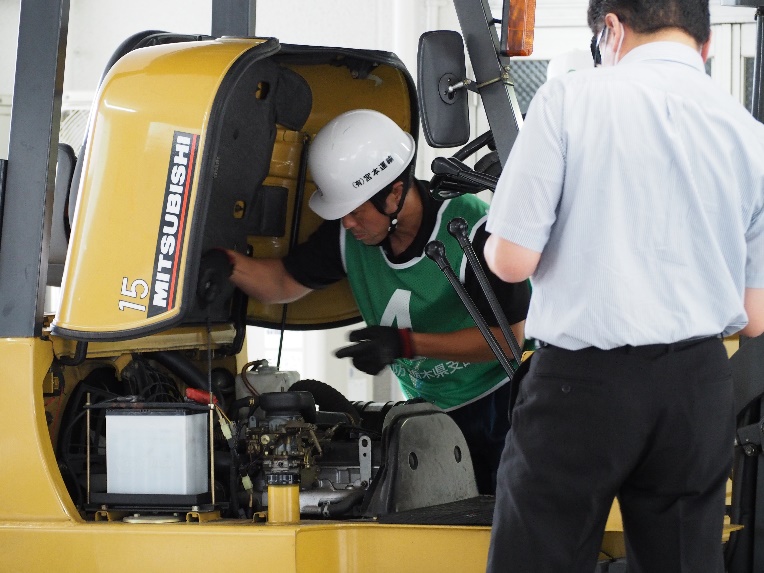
[
  {"x": 647, "y": 16},
  {"x": 378, "y": 199}
]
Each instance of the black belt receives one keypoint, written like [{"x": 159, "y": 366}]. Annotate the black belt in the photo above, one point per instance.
[{"x": 650, "y": 349}]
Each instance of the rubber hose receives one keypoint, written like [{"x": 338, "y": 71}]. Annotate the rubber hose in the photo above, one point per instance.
[
  {"x": 340, "y": 508},
  {"x": 327, "y": 398},
  {"x": 184, "y": 369},
  {"x": 237, "y": 405}
]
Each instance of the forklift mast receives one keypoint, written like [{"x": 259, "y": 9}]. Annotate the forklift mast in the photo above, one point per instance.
[
  {"x": 499, "y": 99},
  {"x": 27, "y": 197},
  {"x": 758, "y": 101}
]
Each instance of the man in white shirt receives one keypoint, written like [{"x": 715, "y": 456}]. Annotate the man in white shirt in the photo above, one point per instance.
[{"x": 634, "y": 198}]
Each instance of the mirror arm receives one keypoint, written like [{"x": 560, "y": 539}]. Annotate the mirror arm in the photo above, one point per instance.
[
  {"x": 470, "y": 85},
  {"x": 467, "y": 84}
]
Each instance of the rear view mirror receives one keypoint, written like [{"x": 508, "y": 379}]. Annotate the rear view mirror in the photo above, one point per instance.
[{"x": 444, "y": 113}]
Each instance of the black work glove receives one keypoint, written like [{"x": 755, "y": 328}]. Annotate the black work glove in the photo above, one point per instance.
[
  {"x": 377, "y": 347},
  {"x": 214, "y": 269}
]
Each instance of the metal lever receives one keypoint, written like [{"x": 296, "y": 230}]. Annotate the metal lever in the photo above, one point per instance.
[
  {"x": 443, "y": 187},
  {"x": 436, "y": 251},
  {"x": 456, "y": 169},
  {"x": 458, "y": 229}
]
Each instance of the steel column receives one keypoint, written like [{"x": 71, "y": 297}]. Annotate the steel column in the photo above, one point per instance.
[
  {"x": 499, "y": 99},
  {"x": 32, "y": 153},
  {"x": 233, "y": 17},
  {"x": 757, "y": 107}
]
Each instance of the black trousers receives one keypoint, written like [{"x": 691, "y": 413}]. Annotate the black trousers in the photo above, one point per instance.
[
  {"x": 484, "y": 424},
  {"x": 652, "y": 425}
]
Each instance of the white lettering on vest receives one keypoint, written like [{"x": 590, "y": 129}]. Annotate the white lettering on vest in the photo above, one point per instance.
[{"x": 397, "y": 310}]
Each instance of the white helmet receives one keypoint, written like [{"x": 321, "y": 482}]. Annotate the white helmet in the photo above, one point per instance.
[{"x": 353, "y": 157}]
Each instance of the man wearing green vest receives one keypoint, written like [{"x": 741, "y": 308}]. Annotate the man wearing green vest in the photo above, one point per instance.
[{"x": 378, "y": 220}]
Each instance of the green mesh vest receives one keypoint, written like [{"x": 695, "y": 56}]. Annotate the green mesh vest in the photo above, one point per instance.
[{"x": 417, "y": 295}]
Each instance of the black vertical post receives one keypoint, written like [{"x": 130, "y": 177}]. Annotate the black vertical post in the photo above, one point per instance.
[
  {"x": 30, "y": 177},
  {"x": 233, "y": 17},
  {"x": 499, "y": 99},
  {"x": 757, "y": 107}
]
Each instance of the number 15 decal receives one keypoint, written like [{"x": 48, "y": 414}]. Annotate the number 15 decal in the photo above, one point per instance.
[{"x": 132, "y": 292}]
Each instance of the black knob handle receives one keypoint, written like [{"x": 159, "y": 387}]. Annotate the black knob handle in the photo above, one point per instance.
[
  {"x": 459, "y": 229},
  {"x": 437, "y": 252}
]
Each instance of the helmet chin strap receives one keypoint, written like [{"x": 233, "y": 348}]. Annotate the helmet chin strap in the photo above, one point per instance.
[{"x": 394, "y": 215}]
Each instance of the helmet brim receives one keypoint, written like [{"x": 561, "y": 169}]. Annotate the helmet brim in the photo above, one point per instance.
[{"x": 331, "y": 210}]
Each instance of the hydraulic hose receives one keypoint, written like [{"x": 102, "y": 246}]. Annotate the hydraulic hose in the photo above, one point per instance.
[{"x": 343, "y": 506}]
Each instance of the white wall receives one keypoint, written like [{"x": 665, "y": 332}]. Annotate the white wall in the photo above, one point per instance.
[
  {"x": 5, "y": 124},
  {"x": 97, "y": 27},
  {"x": 9, "y": 22}
]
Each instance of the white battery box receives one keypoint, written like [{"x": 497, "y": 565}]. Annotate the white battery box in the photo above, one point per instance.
[{"x": 162, "y": 451}]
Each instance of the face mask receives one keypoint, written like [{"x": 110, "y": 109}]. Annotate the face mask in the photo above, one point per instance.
[
  {"x": 595, "y": 48},
  {"x": 607, "y": 55}
]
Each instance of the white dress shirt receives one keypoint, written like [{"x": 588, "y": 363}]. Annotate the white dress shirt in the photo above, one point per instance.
[{"x": 642, "y": 185}]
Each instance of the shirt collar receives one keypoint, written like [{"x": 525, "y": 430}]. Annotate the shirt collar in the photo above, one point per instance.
[{"x": 666, "y": 51}]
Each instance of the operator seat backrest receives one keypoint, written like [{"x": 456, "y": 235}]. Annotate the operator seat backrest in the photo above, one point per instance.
[
  {"x": 59, "y": 231},
  {"x": 426, "y": 462}
]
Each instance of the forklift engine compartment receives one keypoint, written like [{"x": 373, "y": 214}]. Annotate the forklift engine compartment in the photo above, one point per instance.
[
  {"x": 149, "y": 452},
  {"x": 158, "y": 328}
]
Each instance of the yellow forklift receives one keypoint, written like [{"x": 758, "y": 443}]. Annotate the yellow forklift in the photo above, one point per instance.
[{"x": 135, "y": 433}]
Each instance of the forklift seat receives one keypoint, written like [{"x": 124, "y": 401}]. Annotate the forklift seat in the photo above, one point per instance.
[
  {"x": 425, "y": 462},
  {"x": 59, "y": 231}
]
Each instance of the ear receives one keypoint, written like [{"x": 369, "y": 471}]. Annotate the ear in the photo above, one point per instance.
[
  {"x": 394, "y": 197},
  {"x": 615, "y": 30},
  {"x": 705, "y": 48}
]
